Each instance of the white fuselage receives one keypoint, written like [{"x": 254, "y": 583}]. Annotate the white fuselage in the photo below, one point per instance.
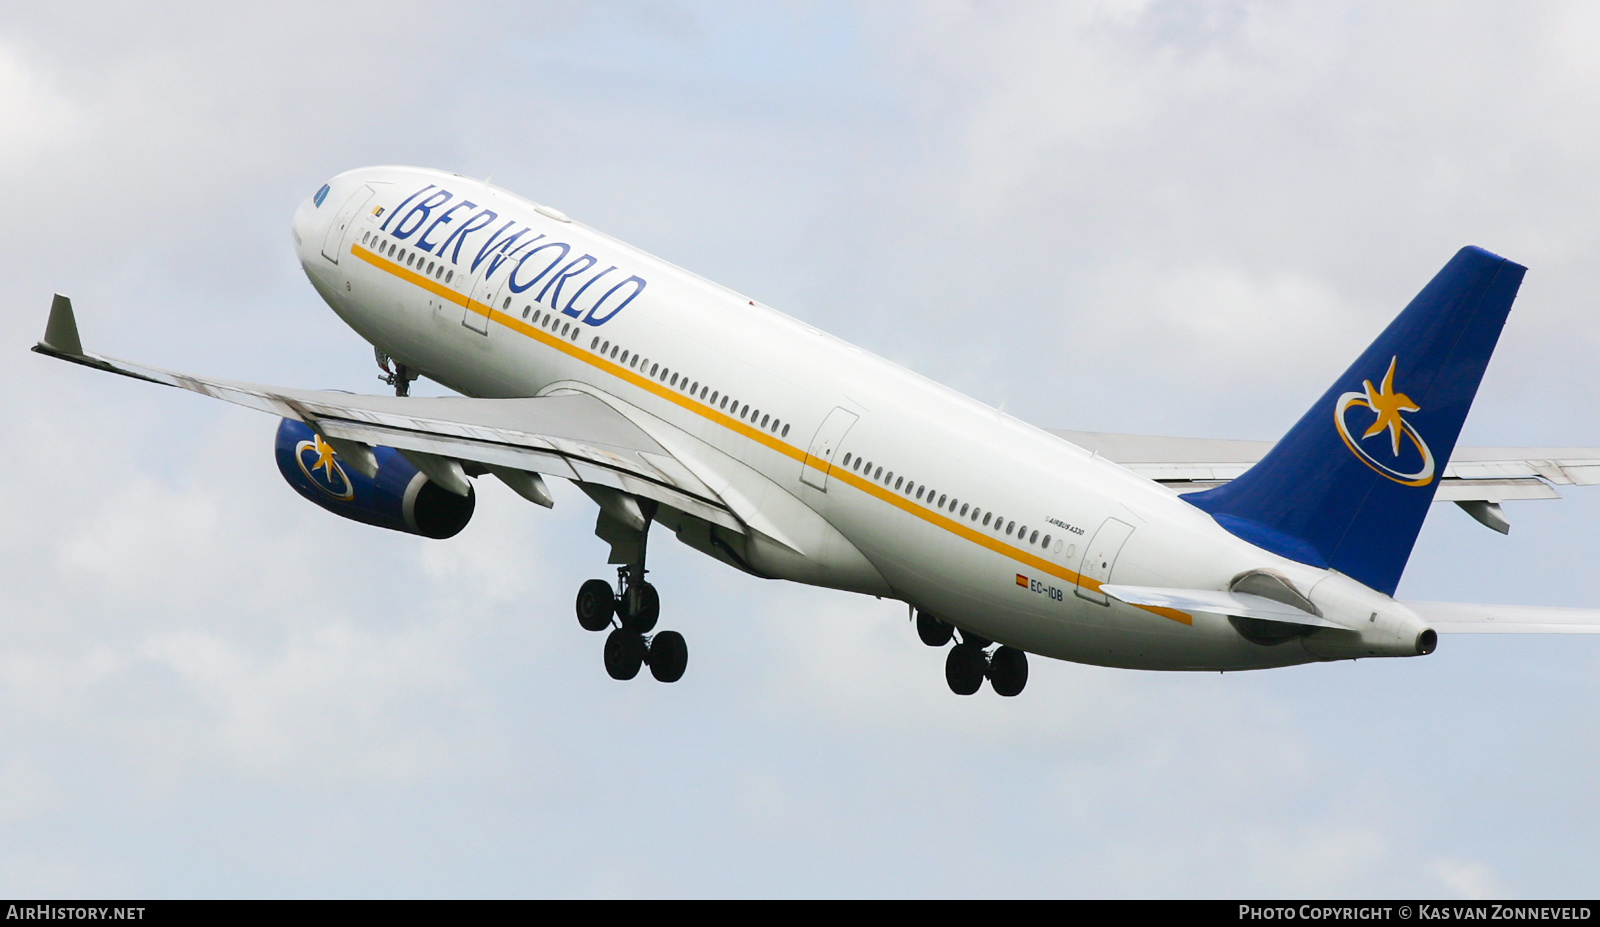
[{"x": 858, "y": 473}]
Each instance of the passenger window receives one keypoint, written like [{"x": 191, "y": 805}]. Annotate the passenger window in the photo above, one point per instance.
[
  {"x": 506, "y": 305},
  {"x": 430, "y": 268},
  {"x": 674, "y": 381},
  {"x": 890, "y": 478},
  {"x": 745, "y": 411},
  {"x": 724, "y": 400},
  {"x": 941, "y": 501},
  {"x": 624, "y": 357},
  {"x": 634, "y": 362},
  {"x": 1035, "y": 539},
  {"x": 526, "y": 310},
  {"x": 986, "y": 518},
  {"x": 654, "y": 369},
  {"x": 878, "y": 475},
  {"x": 1009, "y": 528},
  {"x": 919, "y": 492},
  {"x": 764, "y": 420},
  {"x": 786, "y": 431},
  {"x": 847, "y": 460},
  {"x": 614, "y": 352},
  {"x": 449, "y": 275},
  {"x": 594, "y": 342}
]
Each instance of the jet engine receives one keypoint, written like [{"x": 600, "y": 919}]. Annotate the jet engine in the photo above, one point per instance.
[{"x": 399, "y": 497}]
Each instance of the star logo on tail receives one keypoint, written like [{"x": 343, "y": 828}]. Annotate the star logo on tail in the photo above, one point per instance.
[{"x": 1405, "y": 458}]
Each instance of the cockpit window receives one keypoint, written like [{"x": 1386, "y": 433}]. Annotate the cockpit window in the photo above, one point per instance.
[{"x": 321, "y": 195}]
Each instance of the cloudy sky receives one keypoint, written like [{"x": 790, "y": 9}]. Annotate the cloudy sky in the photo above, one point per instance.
[{"x": 1153, "y": 217}]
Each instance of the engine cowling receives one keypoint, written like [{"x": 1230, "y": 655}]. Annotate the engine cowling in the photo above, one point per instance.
[{"x": 399, "y": 497}]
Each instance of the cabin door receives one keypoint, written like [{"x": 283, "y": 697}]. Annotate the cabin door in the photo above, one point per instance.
[
  {"x": 333, "y": 242},
  {"x": 1100, "y": 558},
  {"x": 819, "y": 458}
]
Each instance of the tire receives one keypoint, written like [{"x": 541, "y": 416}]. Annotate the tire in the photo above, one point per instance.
[
  {"x": 964, "y": 669},
  {"x": 934, "y": 633},
  {"x": 1008, "y": 671},
  {"x": 668, "y": 656},
  {"x": 596, "y": 604},
  {"x": 624, "y": 654},
  {"x": 649, "y": 611}
]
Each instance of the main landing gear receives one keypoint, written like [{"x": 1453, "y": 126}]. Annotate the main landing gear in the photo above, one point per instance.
[
  {"x": 632, "y": 610},
  {"x": 631, "y": 616},
  {"x": 970, "y": 661}
]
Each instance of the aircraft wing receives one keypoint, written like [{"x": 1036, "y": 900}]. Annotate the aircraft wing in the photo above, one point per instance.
[
  {"x": 1477, "y": 478},
  {"x": 572, "y": 436}
]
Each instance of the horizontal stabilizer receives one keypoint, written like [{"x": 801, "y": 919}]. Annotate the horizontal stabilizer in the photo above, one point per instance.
[
  {"x": 1216, "y": 602},
  {"x": 1459, "y": 618}
]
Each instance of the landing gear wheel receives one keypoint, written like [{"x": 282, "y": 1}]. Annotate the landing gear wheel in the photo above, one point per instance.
[
  {"x": 625, "y": 652},
  {"x": 964, "y": 669},
  {"x": 1008, "y": 671},
  {"x": 668, "y": 656},
  {"x": 596, "y": 604},
  {"x": 643, "y": 617},
  {"x": 934, "y": 633}
]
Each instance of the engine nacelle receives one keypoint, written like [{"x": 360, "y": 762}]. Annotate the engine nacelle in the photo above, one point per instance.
[{"x": 400, "y": 497}]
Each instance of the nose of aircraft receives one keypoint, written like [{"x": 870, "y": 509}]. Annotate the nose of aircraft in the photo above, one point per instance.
[{"x": 310, "y": 222}]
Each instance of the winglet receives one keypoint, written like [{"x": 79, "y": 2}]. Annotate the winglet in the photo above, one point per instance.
[{"x": 61, "y": 332}]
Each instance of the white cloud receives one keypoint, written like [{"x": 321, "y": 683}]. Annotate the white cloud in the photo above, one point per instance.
[
  {"x": 36, "y": 117},
  {"x": 1467, "y": 879}
]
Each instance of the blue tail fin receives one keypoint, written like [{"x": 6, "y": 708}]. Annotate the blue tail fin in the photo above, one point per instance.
[{"x": 1347, "y": 487}]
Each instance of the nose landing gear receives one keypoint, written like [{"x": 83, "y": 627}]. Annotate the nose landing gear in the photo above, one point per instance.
[
  {"x": 395, "y": 374},
  {"x": 970, "y": 662}
]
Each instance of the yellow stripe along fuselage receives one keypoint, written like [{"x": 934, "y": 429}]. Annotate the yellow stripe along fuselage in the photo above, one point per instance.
[{"x": 449, "y": 294}]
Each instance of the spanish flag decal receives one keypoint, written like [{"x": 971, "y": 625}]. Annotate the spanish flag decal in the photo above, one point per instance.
[{"x": 1022, "y": 581}]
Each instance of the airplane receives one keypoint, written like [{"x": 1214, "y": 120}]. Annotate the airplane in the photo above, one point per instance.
[{"x": 787, "y": 453}]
